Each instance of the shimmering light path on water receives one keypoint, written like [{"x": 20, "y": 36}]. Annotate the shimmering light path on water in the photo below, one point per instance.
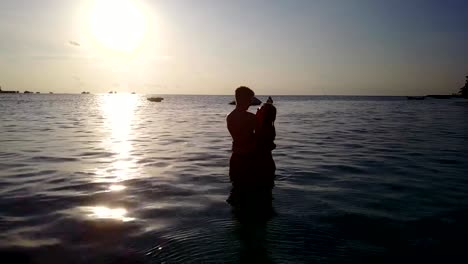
[{"x": 103, "y": 177}]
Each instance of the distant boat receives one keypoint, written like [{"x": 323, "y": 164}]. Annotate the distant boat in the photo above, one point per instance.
[
  {"x": 133, "y": 92},
  {"x": 155, "y": 99},
  {"x": 26, "y": 92},
  {"x": 51, "y": 93},
  {"x": 84, "y": 92},
  {"x": 416, "y": 97}
]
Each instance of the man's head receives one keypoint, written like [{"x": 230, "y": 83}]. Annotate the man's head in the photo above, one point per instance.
[{"x": 244, "y": 97}]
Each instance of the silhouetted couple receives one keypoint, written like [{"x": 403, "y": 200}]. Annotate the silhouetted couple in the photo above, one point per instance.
[{"x": 251, "y": 167}]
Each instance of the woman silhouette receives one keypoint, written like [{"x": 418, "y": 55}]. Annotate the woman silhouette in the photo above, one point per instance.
[{"x": 265, "y": 134}]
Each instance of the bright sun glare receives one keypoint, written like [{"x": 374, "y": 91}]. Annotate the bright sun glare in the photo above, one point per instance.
[{"x": 118, "y": 24}]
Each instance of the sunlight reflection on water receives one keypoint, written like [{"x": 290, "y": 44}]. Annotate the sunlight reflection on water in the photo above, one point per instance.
[
  {"x": 119, "y": 113},
  {"x": 116, "y": 188},
  {"x": 103, "y": 212}
]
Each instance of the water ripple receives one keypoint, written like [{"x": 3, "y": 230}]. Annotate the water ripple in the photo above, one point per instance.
[{"x": 102, "y": 178}]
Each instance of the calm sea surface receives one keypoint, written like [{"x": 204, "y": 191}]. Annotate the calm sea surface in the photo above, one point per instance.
[{"x": 106, "y": 178}]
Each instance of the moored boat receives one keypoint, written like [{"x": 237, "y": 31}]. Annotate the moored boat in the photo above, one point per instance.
[{"x": 155, "y": 99}]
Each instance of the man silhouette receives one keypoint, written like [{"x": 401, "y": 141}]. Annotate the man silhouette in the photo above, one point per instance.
[{"x": 241, "y": 125}]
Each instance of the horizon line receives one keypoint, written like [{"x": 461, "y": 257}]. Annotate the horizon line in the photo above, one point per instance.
[{"x": 102, "y": 93}]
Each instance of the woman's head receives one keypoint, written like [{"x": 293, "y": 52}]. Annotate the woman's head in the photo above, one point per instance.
[
  {"x": 270, "y": 113},
  {"x": 266, "y": 114}
]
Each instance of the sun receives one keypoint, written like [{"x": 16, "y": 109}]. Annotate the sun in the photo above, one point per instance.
[{"x": 117, "y": 24}]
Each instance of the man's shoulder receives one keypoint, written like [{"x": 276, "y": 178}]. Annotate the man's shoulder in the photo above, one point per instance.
[
  {"x": 230, "y": 116},
  {"x": 235, "y": 115}
]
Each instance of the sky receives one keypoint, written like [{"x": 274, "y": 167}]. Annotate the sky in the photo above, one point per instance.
[{"x": 289, "y": 47}]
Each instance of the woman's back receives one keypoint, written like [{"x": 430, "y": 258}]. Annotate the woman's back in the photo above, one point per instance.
[{"x": 265, "y": 136}]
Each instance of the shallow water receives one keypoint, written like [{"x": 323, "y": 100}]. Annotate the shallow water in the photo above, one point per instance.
[{"x": 98, "y": 178}]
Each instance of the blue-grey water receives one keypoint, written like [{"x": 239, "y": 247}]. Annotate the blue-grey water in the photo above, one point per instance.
[{"x": 105, "y": 178}]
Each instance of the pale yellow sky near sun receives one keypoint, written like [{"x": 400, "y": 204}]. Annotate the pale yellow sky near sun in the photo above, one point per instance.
[{"x": 211, "y": 47}]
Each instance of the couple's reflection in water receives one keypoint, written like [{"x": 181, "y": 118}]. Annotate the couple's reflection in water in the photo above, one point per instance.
[{"x": 252, "y": 212}]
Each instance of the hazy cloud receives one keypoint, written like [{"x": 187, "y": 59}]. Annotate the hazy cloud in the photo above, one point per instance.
[{"x": 74, "y": 43}]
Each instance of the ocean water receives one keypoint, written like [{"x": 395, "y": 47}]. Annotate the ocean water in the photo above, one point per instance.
[{"x": 113, "y": 178}]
